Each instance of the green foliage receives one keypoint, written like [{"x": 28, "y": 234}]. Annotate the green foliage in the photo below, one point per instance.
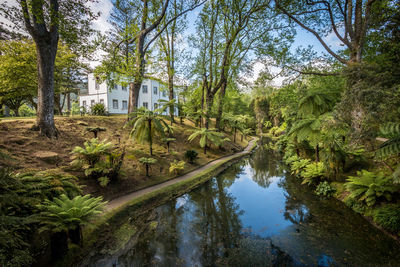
[
  {"x": 26, "y": 111},
  {"x": 63, "y": 213},
  {"x": 313, "y": 173},
  {"x": 355, "y": 205},
  {"x": 299, "y": 165},
  {"x": 392, "y": 146},
  {"x": 368, "y": 187},
  {"x": 191, "y": 155},
  {"x": 208, "y": 137},
  {"x": 146, "y": 125},
  {"x": 177, "y": 166},
  {"x": 98, "y": 109},
  {"x": 388, "y": 217},
  {"x": 98, "y": 160},
  {"x": 325, "y": 189},
  {"x": 91, "y": 154},
  {"x": 47, "y": 184}
]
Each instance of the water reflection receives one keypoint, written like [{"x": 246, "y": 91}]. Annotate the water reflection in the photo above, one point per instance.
[{"x": 253, "y": 214}]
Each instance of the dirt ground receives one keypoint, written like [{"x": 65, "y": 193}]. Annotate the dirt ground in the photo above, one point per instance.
[{"x": 22, "y": 149}]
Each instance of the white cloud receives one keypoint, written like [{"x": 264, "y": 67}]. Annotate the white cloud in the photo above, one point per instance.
[{"x": 105, "y": 8}]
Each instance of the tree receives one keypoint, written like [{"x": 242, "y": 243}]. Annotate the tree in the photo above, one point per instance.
[
  {"x": 176, "y": 166},
  {"x": 207, "y": 137},
  {"x": 147, "y": 162},
  {"x": 64, "y": 217},
  {"x": 148, "y": 16},
  {"x": 18, "y": 75},
  {"x": 323, "y": 17},
  {"x": 46, "y": 21},
  {"x": 146, "y": 125}
]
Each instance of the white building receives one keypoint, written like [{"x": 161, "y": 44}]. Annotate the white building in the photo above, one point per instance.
[{"x": 115, "y": 99}]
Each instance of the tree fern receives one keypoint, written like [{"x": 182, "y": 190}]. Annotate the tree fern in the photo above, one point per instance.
[
  {"x": 177, "y": 166},
  {"x": 368, "y": 187},
  {"x": 207, "y": 137}
]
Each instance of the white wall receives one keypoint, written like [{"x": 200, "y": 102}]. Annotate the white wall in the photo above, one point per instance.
[{"x": 123, "y": 95}]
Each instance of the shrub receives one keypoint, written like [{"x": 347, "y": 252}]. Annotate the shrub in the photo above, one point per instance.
[
  {"x": 177, "y": 166},
  {"x": 191, "y": 155},
  {"x": 325, "y": 189},
  {"x": 298, "y": 166},
  {"x": 388, "y": 217},
  {"x": 313, "y": 173},
  {"x": 26, "y": 111},
  {"x": 98, "y": 160},
  {"x": 98, "y": 109},
  {"x": 368, "y": 187},
  {"x": 358, "y": 207}
]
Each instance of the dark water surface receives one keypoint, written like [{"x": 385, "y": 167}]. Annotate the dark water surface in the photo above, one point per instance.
[{"x": 254, "y": 214}]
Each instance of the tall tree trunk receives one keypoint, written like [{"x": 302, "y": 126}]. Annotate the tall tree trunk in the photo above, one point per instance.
[
  {"x": 220, "y": 106},
  {"x": 234, "y": 135},
  {"x": 150, "y": 139},
  {"x": 134, "y": 88},
  {"x": 317, "y": 153},
  {"x": 46, "y": 54},
  {"x": 69, "y": 102},
  {"x": 209, "y": 102}
]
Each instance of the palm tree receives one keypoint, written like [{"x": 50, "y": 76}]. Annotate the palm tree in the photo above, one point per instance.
[
  {"x": 65, "y": 217},
  {"x": 207, "y": 136},
  {"x": 146, "y": 125}
]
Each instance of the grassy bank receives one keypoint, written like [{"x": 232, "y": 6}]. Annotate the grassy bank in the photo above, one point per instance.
[{"x": 23, "y": 149}]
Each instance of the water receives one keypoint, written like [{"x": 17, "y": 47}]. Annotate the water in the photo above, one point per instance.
[{"x": 253, "y": 214}]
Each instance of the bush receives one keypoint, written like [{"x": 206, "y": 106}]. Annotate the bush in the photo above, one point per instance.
[
  {"x": 313, "y": 172},
  {"x": 368, "y": 187},
  {"x": 98, "y": 109},
  {"x": 298, "y": 166},
  {"x": 191, "y": 155},
  {"x": 354, "y": 205},
  {"x": 325, "y": 189},
  {"x": 98, "y": 160},
  {"x": 388, "y": 217},
  {"x": 26, "y": 111},
  {"x": 177, "y": 166}
]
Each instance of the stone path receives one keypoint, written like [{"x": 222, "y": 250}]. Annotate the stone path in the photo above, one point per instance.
[{"x": 118, "y": 202}]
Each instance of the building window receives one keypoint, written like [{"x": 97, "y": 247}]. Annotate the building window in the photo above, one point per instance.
[
  {"x": 164, "y": 93},
  {"x": 96, "y": 85},
  {"x": 144, "y": 89},
  {"x": 115, "y": 104},
  {"x": 84, "y": 103},
  {"x": 155, "y": 90},
  {"x": 155, "y": 106},
  {"x": 91, "y": 103},
  {"x": 145, "y": 105},
  {"x": 115, "y": 86},
  {"x": 124, "y": 104},
  {"x": 102, "y": 101},
  {"x": 124, "y": 88}
]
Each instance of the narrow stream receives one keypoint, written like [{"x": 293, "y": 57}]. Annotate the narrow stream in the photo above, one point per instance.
[{"x": 255, "y": 214}]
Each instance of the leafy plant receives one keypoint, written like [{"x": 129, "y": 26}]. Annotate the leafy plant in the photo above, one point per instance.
[
  {"x": 98, "y": 109},
  {"x": 146, "y": 125},
  {"x": 26, "y": 111},
  {"x": 368, "y": 187},
  {"x": 298, "y": 166},
  {"x": 390, "y": 147},
  {"x": 177, "y": 166},
  {"x": 98, "y": 160},
  {"x": 147, "y": 162},
  {"x": 207, "y": 137},
  {"x": 388, "y": 217},
  {"x": 168, "y": 141},
  {"x": 313, "y": 172},
  {"x": 191, "y": 155},
  {"x": 65, "y": 217},
  {"x": 358, "y": 207},
  {"x": 325, "y": 189}
]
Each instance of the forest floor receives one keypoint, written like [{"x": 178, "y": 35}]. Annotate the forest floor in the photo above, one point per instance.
[{"x": 23, "y": 149}]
